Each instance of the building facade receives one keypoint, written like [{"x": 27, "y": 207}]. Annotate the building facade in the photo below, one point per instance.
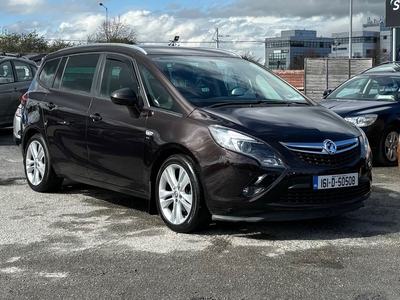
[
  {"x": 281, "y": 53},
  {"x": 288, "y": 51},
  {"x": 374, "y": 41}
]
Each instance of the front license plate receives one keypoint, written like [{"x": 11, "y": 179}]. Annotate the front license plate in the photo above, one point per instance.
[{"x": 335, "y": 181}]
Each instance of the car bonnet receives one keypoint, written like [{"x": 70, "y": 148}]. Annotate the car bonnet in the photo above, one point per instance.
[{"x": 285, "y": 124}]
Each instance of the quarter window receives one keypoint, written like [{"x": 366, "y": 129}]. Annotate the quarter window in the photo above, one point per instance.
[
  {"x": 49, "y": 70},
  {"x": 156, "y": 93},
  {"x": 23, "y": 71}
]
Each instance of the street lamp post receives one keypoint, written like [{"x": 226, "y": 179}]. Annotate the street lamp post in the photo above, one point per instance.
[
  {"x": 101, "y": 4},
  {"x": 351, "y": 30}
]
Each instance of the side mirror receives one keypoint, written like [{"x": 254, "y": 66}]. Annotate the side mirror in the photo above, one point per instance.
[
  {"x": 127, "y": 97},
  {"x": 124, "y": 96},
  {"x": 3, "y": 80},
  {"x": 238, "y": 91}
]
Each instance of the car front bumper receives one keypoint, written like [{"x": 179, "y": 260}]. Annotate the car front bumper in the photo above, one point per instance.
[{"x": 283, "y": 194}]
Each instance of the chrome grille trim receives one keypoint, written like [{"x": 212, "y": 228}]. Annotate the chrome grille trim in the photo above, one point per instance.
[{"x": 318, "y": 148}]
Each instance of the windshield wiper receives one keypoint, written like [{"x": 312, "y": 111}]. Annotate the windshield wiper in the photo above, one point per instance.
[
  {"x": 236, "y": 103},
  {"x": 265, "y": 103}
]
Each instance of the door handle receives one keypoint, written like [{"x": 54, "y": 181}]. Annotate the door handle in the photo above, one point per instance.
[{"x": 96, "y": 117}]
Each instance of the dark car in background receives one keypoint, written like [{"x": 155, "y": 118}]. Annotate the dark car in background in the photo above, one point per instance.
[
  {"x": 201, "y": 133},
  {"x": 371, "y": 100},
  {"x": 16, "y": 74}
]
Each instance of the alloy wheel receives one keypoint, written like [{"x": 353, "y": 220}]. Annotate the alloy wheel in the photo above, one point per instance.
[
  {"x": 175, "y": 194},
  {"x": 391, "y": 144},
  {"x": 35, "y": 163}
]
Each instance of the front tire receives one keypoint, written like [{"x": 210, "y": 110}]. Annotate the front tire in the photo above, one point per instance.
[
  {"x": 179, "y": 195},
  {"x": 38, "y": 170},
  {"x": 388, "y": 143}
]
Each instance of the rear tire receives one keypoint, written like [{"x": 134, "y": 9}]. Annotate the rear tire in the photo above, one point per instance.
[
  {"x": 388, "y": 143},
  {"x": 179, "y": 195},
  {"x": 38, "y": 170}
]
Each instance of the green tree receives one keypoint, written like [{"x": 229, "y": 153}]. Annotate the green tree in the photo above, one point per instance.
[
  {"x": 23, "y": 43},
  {"x": 115, "y": 30},
  {"x": 58, "y": 44}
]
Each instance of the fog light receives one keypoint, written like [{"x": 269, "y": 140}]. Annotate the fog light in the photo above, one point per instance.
[{"x": 251, "y": 191}]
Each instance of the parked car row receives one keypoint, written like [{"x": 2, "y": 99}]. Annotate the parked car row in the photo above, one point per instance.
[
  {"x": 16, "y": 74},
  {"x": 370, "y": 101},
  {"x": 201, "y": 133}
]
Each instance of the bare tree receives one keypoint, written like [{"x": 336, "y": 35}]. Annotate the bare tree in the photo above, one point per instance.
[
  {"x": 248, "y": 55},
  {"x": 114, "y": 30}
]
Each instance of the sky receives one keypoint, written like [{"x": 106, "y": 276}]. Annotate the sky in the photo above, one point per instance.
[{"x": 242, "y": 25}]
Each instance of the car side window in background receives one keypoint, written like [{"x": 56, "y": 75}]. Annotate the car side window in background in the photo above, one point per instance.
[
  {"x": 156, "y": 93},
  {"x": 79, "y": 73},
  {"x": 118, "y": 74},
  {"x": 48, "y": 71},
  {"x": 23, "y": 71},
  {"x": 6, "y": 71},
  {"x": 353, "y": 89}
]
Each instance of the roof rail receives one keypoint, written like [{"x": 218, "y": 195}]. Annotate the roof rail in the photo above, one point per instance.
[
  {"x": 11, "y": 54},
  {"x": 389, "y": 62}
]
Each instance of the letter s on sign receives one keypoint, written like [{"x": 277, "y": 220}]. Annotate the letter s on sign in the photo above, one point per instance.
[{"x": 396, "y": 5}]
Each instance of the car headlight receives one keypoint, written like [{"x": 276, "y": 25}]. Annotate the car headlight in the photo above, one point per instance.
[
  {"x": 362, "y": 121},
  {"x": 246, "y": 145},
  {"x": 365, "y": 145}
]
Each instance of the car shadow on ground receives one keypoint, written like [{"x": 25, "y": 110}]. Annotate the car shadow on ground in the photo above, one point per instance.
[
  {"x": 379, "y": 216},
  {"x": 6, "y": 136}
]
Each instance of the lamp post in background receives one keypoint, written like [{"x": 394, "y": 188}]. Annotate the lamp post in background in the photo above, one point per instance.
[
  {"x": 351, "y": 30},
  {"x": 101, "y": 4}
]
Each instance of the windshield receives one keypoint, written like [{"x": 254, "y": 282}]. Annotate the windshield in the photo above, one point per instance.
[
  {"x": 377, "y": 87},
  {"x": 210, "y": 81}
]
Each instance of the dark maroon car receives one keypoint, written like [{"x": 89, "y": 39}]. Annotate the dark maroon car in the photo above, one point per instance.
[{"x": 201, "y": 133}]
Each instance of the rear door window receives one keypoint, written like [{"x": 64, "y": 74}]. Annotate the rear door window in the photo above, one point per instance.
[
  {"x": 79, "y": 73},
  {"x": 23, "y": 71}
]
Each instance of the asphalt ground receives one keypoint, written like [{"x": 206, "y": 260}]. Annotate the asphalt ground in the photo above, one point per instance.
[{"x": 88, "y": 243}]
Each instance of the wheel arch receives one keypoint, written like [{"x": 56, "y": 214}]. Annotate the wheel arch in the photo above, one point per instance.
[
  {"x": 28, "y": 133},
  {"x": 395, "y": 123},
  {"x": 161, "y": 156}
]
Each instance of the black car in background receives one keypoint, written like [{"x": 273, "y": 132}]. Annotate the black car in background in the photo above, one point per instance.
[
  {"x": 201, "y": 133},
  {"x": 16, "y": 74},
  {"x": 371, "y": 100}
]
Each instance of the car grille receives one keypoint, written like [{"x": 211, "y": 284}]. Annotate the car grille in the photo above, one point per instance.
[
  {"x": 346, "y": 152},
  {"x": 309, "y": 196}
]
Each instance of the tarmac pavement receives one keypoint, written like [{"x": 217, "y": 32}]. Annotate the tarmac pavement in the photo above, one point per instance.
[{"x": 88, "y": 243}]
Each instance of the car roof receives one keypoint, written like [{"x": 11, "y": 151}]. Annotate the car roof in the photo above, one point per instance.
[
  {"x": 13, "y": 56},
  {"x": 143, "y": 49},
  {"x": 389, "y": 67}
]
